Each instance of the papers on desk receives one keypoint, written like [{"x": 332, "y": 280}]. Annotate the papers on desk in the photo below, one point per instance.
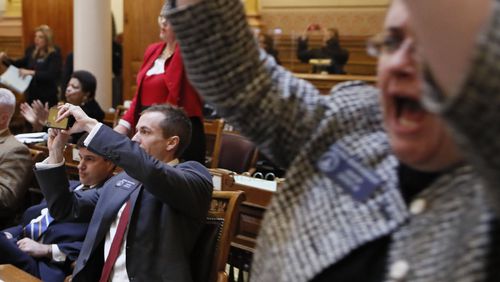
[
  {"x": 30, "y": 138},
  {"x": 256, "y": 182},
  {"x": 12, "y": 79},
  {"x": 217, "y": 182}
]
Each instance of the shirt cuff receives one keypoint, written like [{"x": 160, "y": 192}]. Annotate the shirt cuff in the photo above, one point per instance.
[
  {"x": 45, "y": 165},
  {"x": 57, "y": 255},
  {"x": 92, "y": 133},
  {"x": 125, "y": 123}
]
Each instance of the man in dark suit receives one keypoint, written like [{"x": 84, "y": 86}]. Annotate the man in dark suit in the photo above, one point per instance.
[
  {"x": 156, "y": 206},
  {"x": 47, "y": 252}
]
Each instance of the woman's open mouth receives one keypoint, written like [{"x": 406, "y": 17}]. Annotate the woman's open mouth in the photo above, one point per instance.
[{"x": 409, "y": 112}]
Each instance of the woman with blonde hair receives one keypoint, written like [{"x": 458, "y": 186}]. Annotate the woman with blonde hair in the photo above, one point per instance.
[{"x": 42, "y": 60}]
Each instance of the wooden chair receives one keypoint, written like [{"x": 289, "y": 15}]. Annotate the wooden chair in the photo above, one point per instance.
[
  {"x": 237, "y": 153},
  {"x": 211, "y": 251},
  {"x": 213, "y": 133}
]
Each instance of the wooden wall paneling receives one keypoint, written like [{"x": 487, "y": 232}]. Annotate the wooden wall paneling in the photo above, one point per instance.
[
  {"x": 58, "y": 14},
  {"x": 139, "y": 30}
]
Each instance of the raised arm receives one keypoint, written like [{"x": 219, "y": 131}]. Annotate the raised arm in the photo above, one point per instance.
[
  {"x": 51, "y": 175},
  {"x": 186, "y": 187},
  {"x": 267, "y": 103}
]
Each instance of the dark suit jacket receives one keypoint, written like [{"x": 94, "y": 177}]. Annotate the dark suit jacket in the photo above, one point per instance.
[
  {"x": 43, "y": 86},
  {"x": 169, "y": 208},
  {"x": 68, "y": 236}
]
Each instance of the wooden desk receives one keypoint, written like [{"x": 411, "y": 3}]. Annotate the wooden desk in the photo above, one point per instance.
[
  {"x": 251, "y": 211},
  {"x": 325, "y": 82},
  {"x": 249, "y": 220},
  {"x": 10, "y": 273}
]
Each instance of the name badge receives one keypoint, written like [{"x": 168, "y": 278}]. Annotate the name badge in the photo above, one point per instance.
[
  {"x": 125, "y": 183},
  {"x": 349, "y": 174}
]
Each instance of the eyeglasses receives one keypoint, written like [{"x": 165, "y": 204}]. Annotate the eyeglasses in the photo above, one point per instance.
[{"x": 388, "y": 43}]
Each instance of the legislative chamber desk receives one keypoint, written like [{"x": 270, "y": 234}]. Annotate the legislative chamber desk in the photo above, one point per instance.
[
  {"x": 325, "y": 82},
  {"x": 250, "y": 218},
  {"x": 10, "y": 273}
]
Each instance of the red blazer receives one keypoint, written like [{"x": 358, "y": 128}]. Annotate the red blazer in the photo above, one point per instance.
[{"x": 180, "y": 91}]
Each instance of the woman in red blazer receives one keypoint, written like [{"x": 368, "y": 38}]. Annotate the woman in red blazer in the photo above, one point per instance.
[{"x": 162, "y": 79}]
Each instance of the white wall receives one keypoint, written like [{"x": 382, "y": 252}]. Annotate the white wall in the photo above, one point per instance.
[
  {"x": 117, "y": 9},
  {"x": 2, "y": 6}
]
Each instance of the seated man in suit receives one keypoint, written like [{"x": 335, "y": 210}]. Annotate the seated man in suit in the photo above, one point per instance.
[
  {"x": 45, "y": 247},
  {"x": 15, "y": 163},
  {"x": 145, "y": 220}
]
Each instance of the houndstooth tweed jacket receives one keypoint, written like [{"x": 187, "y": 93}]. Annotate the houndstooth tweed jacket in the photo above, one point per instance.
[{"x": 313, "y": 222}]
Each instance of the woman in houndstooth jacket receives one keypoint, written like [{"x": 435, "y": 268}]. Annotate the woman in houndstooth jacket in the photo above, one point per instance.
[{"x": 376, "y": 189}]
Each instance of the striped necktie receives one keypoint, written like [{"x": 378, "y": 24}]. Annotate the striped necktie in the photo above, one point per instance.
[{"x": 38, "y": 226}]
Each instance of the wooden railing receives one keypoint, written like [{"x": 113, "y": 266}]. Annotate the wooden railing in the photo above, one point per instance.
[{"x": 325, "y": 82}]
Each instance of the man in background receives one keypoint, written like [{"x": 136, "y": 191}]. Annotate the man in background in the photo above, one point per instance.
[
  {"x": 15, "y": 163},
  {"x": 45, "y": 247},
  {"x": 146, "y": 220}
]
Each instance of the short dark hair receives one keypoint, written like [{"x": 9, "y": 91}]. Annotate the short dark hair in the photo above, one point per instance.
[
  {"x": 175, "y": 123},
  {"x": 79, "y": 143},
  {"x": 87, "y": 81}
]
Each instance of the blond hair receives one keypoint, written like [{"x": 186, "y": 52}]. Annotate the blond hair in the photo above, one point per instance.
[{"x": 49, "y": 39}]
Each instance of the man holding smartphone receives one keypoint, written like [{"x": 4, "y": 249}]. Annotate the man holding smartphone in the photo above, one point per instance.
[{"x": 146, "y": 219}]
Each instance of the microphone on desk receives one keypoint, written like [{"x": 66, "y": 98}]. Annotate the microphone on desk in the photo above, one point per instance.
[
  {"x": 268, "y": 176},
  {"x": 258, "y": 175}
]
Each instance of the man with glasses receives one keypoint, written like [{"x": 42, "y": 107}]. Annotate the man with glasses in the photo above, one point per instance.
[{"x": 376, "y": 189}]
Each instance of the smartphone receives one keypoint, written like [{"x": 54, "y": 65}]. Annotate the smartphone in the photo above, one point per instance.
[
  {"x": 313, "y": 27},
  {"x": 51, "y": 120}
]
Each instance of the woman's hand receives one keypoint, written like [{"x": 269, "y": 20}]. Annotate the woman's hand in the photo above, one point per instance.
[
  {"x": 36, "y": 114},
  {"x": 310, "y": 27},
  {"x": 25, "y": 72},
  {"x": 28, "y": 113},
  {"x": 41, "y": 110},
  {"x": 3, "y": 56}
]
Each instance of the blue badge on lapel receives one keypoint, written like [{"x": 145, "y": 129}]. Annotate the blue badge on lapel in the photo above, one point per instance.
[
  {"x": 125, "y": 183},
  {"x": 346, "y": 172}
]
